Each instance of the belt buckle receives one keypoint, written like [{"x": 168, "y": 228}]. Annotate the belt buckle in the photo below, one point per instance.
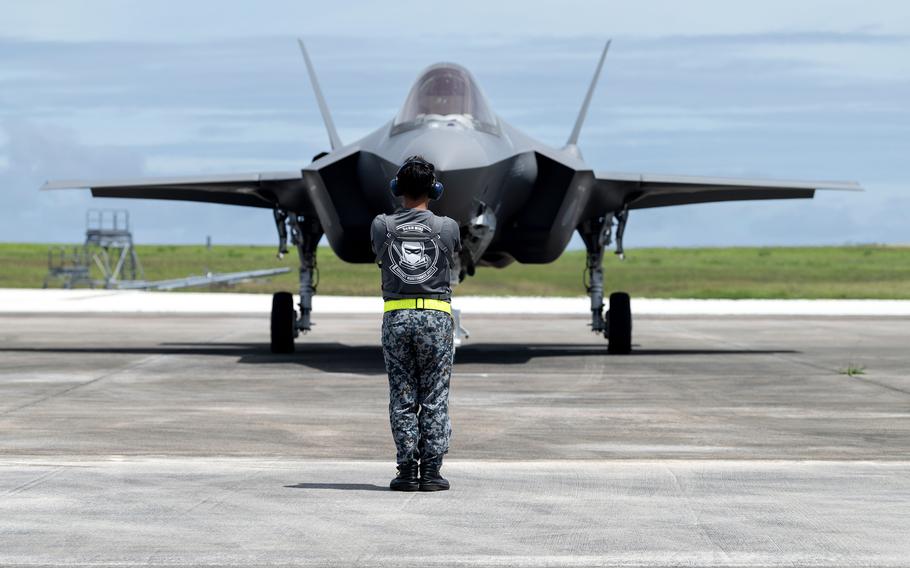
[{"x": 420, "y": 304}]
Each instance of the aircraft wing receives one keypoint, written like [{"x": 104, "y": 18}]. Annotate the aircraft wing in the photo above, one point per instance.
[
  {"x": 641, "y": 191},
  {"x": 337, "y": 205},
  {"x": 264, "y": 189}
]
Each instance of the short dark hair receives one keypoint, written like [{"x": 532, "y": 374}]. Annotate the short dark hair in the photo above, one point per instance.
[{"x": 416, "y": 177}]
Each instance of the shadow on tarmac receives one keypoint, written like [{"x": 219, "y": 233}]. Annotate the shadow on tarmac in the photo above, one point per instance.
[
  {"x": 340, "y": 486},
  {"x": 367, "y": 359}
]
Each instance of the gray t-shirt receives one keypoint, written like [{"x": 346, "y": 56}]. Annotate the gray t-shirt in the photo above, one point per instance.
[{"x": 418, "y": 269}]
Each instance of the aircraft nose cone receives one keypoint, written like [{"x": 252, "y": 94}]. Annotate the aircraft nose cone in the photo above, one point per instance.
[{"x": 448, "y": 148}]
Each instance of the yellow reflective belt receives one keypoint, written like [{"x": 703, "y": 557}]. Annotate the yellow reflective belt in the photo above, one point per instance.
[{"x": 418, "y": 304}]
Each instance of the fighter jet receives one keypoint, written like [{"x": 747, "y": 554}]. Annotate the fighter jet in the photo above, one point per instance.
[{"x": 515, "y": 199}]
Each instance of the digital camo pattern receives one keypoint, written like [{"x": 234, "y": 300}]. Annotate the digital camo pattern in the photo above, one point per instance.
[{"x": 418, "y": 350}]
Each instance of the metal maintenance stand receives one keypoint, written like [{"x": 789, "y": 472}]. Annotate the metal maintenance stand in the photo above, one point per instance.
[
  {"x": 70, "y": 265},
  {"x": 109, "y": 247},
  {"x": 110, "y": 243}
]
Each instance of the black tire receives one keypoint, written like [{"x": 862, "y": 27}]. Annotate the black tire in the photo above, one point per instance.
[
  {"x": 283, "y": 321},
  {"x": 619, "y": 322}
]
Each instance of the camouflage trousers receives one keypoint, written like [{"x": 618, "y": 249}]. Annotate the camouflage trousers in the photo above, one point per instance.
[{"x": 418, "y": 350}]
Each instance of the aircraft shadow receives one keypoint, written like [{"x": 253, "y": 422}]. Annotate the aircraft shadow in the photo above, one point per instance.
[{"x": 367, "y": 359}]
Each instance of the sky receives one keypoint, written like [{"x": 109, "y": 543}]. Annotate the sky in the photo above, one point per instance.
[{"x": 805, "y": 89}]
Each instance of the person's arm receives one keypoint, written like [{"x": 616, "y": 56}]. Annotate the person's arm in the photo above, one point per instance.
[
  {"x": 456, "y": 236},
  {"x": 377, "y": 223}
]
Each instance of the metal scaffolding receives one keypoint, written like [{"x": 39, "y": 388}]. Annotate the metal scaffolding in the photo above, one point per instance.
[{"x": 109, "y": 247}]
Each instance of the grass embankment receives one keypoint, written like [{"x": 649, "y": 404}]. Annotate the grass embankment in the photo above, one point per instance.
[{"x": 774, "y": 272}]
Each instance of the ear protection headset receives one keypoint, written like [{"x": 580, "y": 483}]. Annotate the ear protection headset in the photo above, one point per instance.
[{"x": 436, "y": 187}]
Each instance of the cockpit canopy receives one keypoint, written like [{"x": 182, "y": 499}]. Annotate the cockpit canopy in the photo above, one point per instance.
[{"x": 446, "y": 92}]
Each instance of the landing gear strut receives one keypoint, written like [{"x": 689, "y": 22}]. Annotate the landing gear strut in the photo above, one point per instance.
[
  {"x": 617, "y": 325},
  {"x": 287, "y": 323}
]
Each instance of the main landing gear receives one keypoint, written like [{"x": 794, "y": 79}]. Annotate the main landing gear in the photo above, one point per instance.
[
  {"x": 287, "y": 323},
  {"x": 616, "y": 324}
]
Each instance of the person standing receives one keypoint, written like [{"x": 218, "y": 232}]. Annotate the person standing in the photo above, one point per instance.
[{"x": 415, "y": 252}]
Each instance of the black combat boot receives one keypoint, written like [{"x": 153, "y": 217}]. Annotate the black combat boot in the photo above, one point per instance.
[
  {"x": 430, "y": 480},
  {"x": 407, "y": 477}
]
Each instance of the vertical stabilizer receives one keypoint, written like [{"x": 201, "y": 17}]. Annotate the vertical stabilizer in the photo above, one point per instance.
[
  {"x": 334, "y": 140},
  {"x": 573, "y": 138}
]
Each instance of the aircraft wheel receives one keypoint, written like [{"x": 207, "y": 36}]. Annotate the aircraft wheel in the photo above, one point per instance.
[
  {"x": 619, "y": 324},
  {"x": 283, "y": 320}
]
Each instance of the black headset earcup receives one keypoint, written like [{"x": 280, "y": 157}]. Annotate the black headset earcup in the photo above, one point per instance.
[{"x": 434, "y": 193}]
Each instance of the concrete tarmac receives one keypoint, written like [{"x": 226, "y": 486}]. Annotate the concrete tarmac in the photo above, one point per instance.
[{"x": 722, "y": 441}]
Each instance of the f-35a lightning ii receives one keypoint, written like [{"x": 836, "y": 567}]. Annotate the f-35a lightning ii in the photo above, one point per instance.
[{"x": 514, "y": 198}]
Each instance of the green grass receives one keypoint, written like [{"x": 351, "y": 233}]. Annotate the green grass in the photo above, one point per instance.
[
  {"x": 742, "y": 272},
  {"x": 852, "y": 370}
]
